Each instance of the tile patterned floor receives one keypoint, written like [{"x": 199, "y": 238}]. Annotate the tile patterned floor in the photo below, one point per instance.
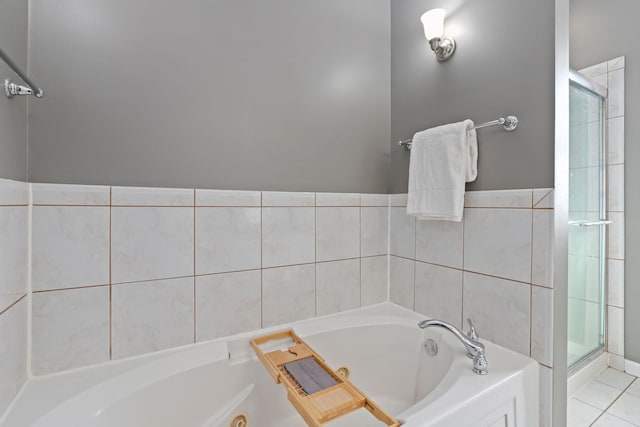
[{"x": 612, "y": 399}]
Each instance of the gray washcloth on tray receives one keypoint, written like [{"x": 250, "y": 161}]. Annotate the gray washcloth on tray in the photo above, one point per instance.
[{"x": 310, "y": 375}]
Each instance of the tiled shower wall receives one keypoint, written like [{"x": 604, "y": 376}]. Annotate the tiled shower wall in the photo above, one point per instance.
[
  {"x": 494, "y": 267},
  {"x": 610, "y": 74},
  {"x": 121, "y": 271},
  {"x": 14, "y": 217}
]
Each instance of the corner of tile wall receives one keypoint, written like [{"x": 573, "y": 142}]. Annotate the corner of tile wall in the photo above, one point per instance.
[
  {"x": 14, "y": 229},
  {"x": 498, "y": 260},
  {"x": 122, "y": 271},
  {"x": 495, "y": 264}
]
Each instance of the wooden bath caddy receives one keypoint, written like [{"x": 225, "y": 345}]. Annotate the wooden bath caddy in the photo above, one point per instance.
[{"x": 319, "y": 407}]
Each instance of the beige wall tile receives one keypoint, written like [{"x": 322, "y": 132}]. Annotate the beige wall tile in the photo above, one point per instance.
[
  {"x": 402, "y": 241},
  {"x": 488, "y": 301},
  {"x": 401, "y": 284},
  {"x": 152, "y": 316},
  {"x": 374, "y": 279},
  {"x": 66, "y": 194},
  {"x": 337, "y": 286},
  {"x": 13, "y": 352},
  {"x": 70, "y": 329},
  {"x": 374, "y": 231},
  {"x": 288, "y": 294},
  {"x": 228, "y": 239},
  {"x": 151, "y": 243},
  {"x": 227, "y": 304},
  {"x": 498, "y": 242},
  {"x": 228, "y": 198},
  {"x": 70, "y": 246},
  {"x": 288, "y": 236},
  {"x": 439, "y": 293},
  {"x": 147, "y": 196}
]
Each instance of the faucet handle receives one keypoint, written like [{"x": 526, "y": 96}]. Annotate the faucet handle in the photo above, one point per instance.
[
  {"x": 472, "y": 334},
  {"x": 480, "y": 364}
]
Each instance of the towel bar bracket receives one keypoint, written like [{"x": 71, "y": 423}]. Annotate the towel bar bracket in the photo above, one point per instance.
[{"x": 12, "y": 89}]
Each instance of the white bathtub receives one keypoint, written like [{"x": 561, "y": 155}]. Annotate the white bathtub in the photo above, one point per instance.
[{"x": 206, "y": 385}]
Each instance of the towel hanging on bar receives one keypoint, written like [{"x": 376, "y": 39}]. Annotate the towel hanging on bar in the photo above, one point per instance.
[{"x": 442, "y": 160}]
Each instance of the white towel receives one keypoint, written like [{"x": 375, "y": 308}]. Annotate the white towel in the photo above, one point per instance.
[{"x": 442, "y": 160}]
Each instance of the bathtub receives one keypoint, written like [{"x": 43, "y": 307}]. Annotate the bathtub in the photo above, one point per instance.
[{"x": 208, "y": 384}]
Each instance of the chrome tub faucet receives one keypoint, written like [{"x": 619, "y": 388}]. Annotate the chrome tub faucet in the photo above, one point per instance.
[{"x": 475, "y": 349}]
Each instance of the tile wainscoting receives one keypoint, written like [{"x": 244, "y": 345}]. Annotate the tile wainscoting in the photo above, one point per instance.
[
  {"x": 495, "y": 267},
  {"x": 121, "y": 271},
  {"x": 14, "y": 239}
]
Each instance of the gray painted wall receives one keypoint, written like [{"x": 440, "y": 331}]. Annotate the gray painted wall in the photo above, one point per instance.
[
  {"x": 13, "y": 112},
  {"x": 594, "y": 25},
  {"x": 232, "y": 94},
  {"x": 504, "y": 64}
]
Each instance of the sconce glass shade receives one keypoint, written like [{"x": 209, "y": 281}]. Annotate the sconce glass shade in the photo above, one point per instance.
[{"x": 433, "y": 22}]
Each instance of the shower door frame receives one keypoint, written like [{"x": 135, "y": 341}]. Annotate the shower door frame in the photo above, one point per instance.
[{"x": 577, "y": 79}]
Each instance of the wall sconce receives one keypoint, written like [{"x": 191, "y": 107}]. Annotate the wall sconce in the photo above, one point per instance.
[{"x": 433, "y": 22}]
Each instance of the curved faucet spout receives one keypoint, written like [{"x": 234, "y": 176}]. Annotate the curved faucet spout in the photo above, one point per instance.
[{"x": 475, "y": 349}]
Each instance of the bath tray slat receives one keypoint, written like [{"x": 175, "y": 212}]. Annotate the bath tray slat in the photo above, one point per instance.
[{"x": 322, "y": 406}]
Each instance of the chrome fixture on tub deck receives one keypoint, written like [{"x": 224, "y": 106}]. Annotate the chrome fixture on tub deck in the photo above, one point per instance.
[{"x": 475, "y": 349}]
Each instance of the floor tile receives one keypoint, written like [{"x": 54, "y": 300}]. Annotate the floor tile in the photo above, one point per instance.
[
  {"x": 598, "y": 394},
  {"x": 627, "y": 407},
  {"x": 635, "y": 388},
  {"x": 615, "y": 378},
  {"x": 608, "y": 420},
  {"x": 580, "y": 414}
]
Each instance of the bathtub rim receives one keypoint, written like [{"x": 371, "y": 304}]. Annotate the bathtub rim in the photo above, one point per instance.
[
  {"x": 85, "y": 377},
  {"x": 236, "y": 347}
]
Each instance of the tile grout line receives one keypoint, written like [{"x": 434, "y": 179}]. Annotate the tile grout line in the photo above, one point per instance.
[
  {"x": 315, "y": 254},
  {"x": 360, "y": 247},
  {"x": 415, "y": 251},
  {"x": 612, "y": 403},
  {"x": 531, "y": 322},
  {"x": 473, "y": 272},
  {"x": 194, "y": 268},
  {"x": 389, "y": 249},
  {"x": 13, "y": 304},
  {"x": 71, "y": 288},
  {"x": 29, "y": 289},
  {"x": 110, "y": 274},
  {"x": 531, "y": 280},
  {"x": 155, "y": 279},
  {"x": 462, "y": 271},
  {"x": 261, "y": 267}
]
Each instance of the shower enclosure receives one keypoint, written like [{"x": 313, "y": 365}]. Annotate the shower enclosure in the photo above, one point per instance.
[{"x": 587, "y": 220}]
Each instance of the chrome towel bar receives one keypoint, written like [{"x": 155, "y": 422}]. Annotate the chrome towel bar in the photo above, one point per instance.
[
  {"x": 12, "y": 89},
  {"x": 509, "y": 123},
  {"x": 589, "y": 223}
]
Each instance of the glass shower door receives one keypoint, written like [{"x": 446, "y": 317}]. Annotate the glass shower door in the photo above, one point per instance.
[{"x": 587, "y": 230}]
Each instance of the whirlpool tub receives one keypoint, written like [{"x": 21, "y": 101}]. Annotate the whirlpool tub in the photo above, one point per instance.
[{"x": 214, "y": 383}]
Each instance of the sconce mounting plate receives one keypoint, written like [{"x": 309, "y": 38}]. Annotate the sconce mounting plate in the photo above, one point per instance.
[{"x": 443, "y": 47}]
